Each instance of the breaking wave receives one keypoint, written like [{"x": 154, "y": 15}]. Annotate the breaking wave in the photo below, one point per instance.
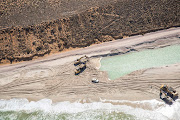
[{"x": 105, "y": 109}]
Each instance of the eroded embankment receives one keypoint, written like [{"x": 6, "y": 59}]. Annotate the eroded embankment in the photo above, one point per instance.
[{"x": 92, "y": 26}]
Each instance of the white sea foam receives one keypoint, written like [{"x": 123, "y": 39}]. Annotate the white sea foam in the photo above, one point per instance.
[{"x": 156, "y": 110}]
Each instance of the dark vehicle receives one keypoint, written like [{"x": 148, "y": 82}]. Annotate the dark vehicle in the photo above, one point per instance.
[
  {"x": 80, "y": 69},
  {"x": 169, "y": 94}
]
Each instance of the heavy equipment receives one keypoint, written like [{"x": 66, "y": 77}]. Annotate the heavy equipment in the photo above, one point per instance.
[
  {"x": 169, "y": 94},
  {"x": 81, "y": 60},
  {"x": 80, "y": 69}
]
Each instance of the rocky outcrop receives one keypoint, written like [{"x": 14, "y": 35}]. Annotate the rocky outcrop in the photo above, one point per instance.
[{"x": 94, "y": 25}]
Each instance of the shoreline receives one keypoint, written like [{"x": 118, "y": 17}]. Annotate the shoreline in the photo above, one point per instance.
[
  {"x": 107, "y": 109},
  {"x": 99, "y": 50},
  {"x": 53, "y": 77}
]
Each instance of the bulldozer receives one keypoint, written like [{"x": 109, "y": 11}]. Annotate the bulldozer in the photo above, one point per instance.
[
  {"x": 169, "y": 93},
  {"x": 80, "y": 69}
]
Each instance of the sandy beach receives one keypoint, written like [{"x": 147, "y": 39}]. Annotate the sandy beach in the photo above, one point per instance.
[{"x": 53, "y": 76}]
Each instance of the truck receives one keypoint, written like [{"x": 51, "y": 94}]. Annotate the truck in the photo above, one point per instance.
[{"x": 80, "y": 69}]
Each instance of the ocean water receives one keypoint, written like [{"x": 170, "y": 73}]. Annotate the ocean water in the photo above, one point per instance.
[
  {"x": 22, "y": 109},
  {"x": 120, "y": 65}
]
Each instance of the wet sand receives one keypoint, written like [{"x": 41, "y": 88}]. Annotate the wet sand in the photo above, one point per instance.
[{"x": 53, "y": 76}]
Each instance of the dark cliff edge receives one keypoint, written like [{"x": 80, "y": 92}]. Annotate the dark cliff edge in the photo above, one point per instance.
[{"x": 92, "y": 25}]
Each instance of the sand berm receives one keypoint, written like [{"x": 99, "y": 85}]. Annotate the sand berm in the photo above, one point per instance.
[{"x": 53, "y": 76}]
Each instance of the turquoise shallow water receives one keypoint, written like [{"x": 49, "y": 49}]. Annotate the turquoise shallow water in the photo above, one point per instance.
[{"x": 120, "y": 65}]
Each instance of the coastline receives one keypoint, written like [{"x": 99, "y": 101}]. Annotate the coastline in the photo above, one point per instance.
[{"x": 53, "y": 77}]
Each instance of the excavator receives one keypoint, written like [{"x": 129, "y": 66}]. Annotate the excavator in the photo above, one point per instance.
[
  {"x": 81, "y": 60},
  {"x": 169, "y": 94}
]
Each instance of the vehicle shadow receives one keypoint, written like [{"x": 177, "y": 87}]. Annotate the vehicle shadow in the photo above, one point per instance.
[{"x": 167, "y": 101}]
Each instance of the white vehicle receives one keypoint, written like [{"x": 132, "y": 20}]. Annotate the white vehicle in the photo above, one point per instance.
[{"x": 94, "y": 80}]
